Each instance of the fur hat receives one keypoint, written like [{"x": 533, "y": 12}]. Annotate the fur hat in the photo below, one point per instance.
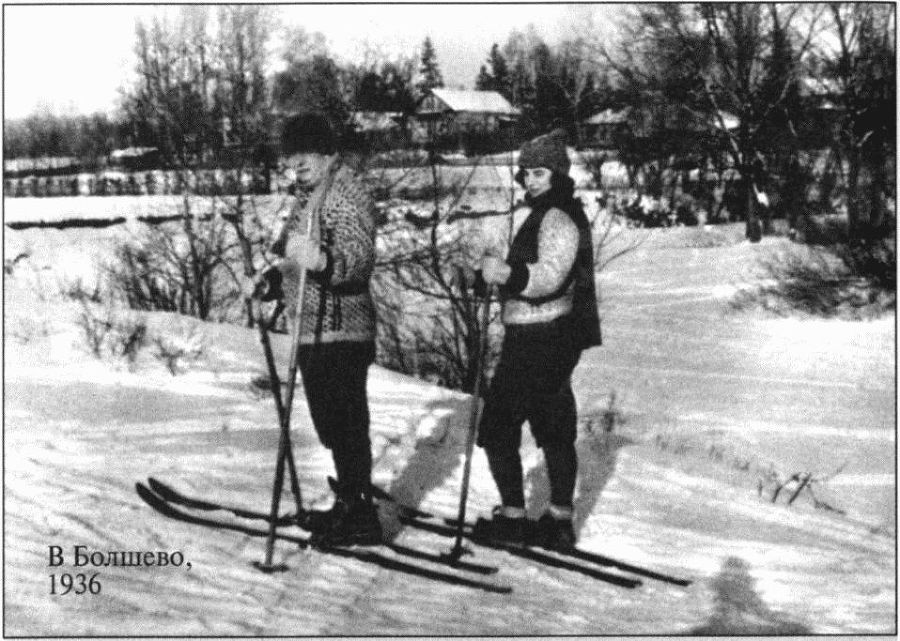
[
  {"x": 547, "y": 151},
  {"x": 308, "y": 133}
]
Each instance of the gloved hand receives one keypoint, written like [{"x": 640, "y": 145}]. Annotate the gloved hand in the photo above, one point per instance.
[
  {"x": 307, "y": 253},
  {"x": 495, "y": 270},
  {"x": 463, "y": 276},
  {"x": 267, "y": 285}
]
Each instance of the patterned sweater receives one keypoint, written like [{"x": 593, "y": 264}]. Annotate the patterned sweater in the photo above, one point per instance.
[{"x": 337, "y": 305}]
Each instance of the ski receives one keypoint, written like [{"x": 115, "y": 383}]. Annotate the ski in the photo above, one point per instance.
[
  {"x": 529, "y": 553},
  {"x": 583, "y": 555},
  {"x": 171, "y": 495},
  {"x": 174, "y": 496},
  {"x": 427, "y": 522},
  {"x": 162, "y": 506}
]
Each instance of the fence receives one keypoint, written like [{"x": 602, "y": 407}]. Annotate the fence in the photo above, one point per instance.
[{"x": 209, "y": 182}]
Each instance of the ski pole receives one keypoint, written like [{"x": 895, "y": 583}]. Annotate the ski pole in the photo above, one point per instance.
[
  {"x": 312, "y": 208},
  {"x": 474, "y": 417},
  {"x": 274, "y": 381}
]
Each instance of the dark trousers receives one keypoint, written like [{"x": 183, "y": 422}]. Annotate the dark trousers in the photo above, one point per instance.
[
  {"x": 532, "y": 383},
  {"x": 334, "y": 378}
]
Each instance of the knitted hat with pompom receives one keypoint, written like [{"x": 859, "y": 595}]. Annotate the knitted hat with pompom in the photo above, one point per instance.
[{"x": 547, "y": 151}]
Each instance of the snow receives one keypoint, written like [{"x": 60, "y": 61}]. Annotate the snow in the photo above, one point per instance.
[{"x": 797, "y": 394}]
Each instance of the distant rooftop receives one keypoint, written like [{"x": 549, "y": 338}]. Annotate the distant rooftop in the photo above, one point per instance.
[
  {"x": 472, "y": 101},
  {"x": 374, "y": 120},
  {"x": 609, "y": 117}
]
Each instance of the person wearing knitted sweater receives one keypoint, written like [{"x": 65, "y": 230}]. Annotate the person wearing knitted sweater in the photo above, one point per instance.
[
  {"x": 545, "y": 279},
  {"x": 337, "y": 319}
]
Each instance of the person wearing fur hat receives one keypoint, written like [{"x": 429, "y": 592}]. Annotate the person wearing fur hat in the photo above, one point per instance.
[
  {"x": 337, "y": 319},
  {"x": 545, "y": 278}
]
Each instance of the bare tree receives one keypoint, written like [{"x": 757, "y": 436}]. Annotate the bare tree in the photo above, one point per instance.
[
  {"x": 714, "y": 60},
  {"x": 204, "y": 100},
  {"x": 858, "y": 68}
]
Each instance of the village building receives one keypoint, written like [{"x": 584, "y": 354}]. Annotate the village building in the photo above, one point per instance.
[
  {"x": 378, "y": 130},
  {"x": 602, "y": 129},
  {"x": 455, "y": 118}
]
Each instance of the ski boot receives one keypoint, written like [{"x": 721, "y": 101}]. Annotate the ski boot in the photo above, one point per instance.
[
  {"x": 502, "y": 529},
  {"x": 353, "y": 520},
  {"x": 556, "y": 533}
]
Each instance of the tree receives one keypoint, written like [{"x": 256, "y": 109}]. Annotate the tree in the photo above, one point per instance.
[
  {"x": 204, "y": 100},
  {"x": 484, "y": 81},
  {"x": 170, "y": 106},
  {"x": 429, "y": 71},
  {"x": 862, "y": 65},
  {"x": 711, "y": 60},
  {"x": 383, "y": 85},
  {"x": 312, "y": 84},
  {"x": 498, "y": 78},
  {"x": 577, "y": 77},
  {"x": 241, "y": 93},
  {"x": 499, "y": 72},
  {"x": 88, "y": 138}
]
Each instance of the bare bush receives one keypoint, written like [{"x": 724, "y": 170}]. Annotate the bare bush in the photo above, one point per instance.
[
  {"x": 793, "y": 485},
  {"x": 109, "y": 332},
  {"x": 181, "y": 268},
  {"x": 78, "y": 290},
  {"x": 874, "y": 260},
  {"x": 428, "y": 320},
  {"x": 840, "y": 281},
  {"x": 175, "y": 351},
  {"x": 10, "y": 264}
]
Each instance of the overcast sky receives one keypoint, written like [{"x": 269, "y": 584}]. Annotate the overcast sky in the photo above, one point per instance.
[{"x": 74, "y": 58}]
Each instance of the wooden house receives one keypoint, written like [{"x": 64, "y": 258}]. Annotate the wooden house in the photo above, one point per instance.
[{"x": 450, "y": 116}]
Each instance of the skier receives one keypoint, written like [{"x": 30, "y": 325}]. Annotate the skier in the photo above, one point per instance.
[
  {"x": 549, "y": 311},
  {"x": 337, "y": 319}
]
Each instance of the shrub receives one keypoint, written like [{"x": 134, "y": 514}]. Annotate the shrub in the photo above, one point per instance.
[
  {"x": 79, "y": 291},
  {"x": 874, "y": 260},
  {"x": 107, "y": 331},
  {"x": 844, "y": 280},
  {"x": 183, "y": 268},
  {"x": 176, "y": 350}
]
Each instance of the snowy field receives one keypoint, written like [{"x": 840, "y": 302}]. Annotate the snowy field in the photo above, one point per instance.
[{"x": 707, "y": 399}]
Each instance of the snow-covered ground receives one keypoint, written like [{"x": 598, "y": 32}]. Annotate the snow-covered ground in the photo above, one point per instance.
[{"x": 707, "y": 400}]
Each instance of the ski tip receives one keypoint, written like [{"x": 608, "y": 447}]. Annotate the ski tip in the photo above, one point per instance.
[
  {"x": 145, "y": 492},
  {"x": 270, "y": 568},
  {"x": 159, "y": 487}
]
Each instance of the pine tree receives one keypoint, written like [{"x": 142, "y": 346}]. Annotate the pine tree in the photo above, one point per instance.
[
  {"x": 429, "y": 70},
  {"x": 484, "y": 81},
  {"x": 499, "y": 72}
]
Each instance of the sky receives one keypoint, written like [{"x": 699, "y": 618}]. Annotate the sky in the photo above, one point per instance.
[{"x": 74, "y": 59}]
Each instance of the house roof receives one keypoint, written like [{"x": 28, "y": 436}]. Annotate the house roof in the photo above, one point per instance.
[
  {"x": 724, "y": 119},
  {"x": 39, "y": 164},
  {"x": 475, "y": 101},
  {"x": 131, "y": 152},
  {"x": 608, "y": 117},
  {"x": 375, "y": 120},
  {"x": 819, "y": 86}
]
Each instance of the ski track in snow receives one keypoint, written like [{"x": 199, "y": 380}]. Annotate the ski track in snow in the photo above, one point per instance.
[{"x": 79, "y": 433}]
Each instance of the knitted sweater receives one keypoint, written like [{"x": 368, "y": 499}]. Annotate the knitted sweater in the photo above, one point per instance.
[{"x": 337, "y": 305}]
